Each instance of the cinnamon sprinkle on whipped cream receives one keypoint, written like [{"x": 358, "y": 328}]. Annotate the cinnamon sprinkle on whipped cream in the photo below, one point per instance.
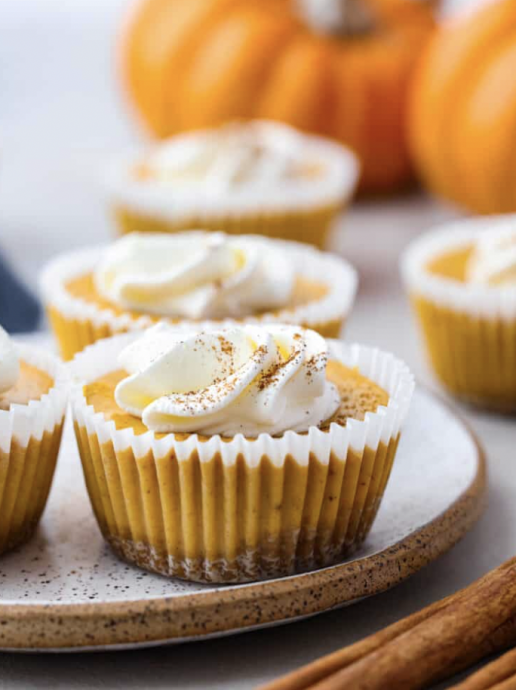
[{"x": 245, "y": 379}]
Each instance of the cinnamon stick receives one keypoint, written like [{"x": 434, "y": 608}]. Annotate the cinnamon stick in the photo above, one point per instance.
[
  {"x": 305, "y": 677},
  {"x": 430, "y": 645},
  {"x": 492, "y": 675}
]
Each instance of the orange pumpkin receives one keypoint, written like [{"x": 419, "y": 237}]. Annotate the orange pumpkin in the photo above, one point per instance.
[
  {"x": 196, "y": 63},
  {"x": 463, "y": 110}
]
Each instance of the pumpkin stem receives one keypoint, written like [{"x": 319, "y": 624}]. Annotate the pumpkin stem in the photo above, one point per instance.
[{"x": 337, "y": 17}]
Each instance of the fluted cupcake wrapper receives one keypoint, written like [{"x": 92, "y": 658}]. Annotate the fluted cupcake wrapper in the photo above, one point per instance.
[
  {"x": 30, "y": 436},
  {"x": 77, "y": 323},
  {"x": 310, "y": 226},
  {"x": 233, "y": 510},
  {"x": 469, "y": 330}
]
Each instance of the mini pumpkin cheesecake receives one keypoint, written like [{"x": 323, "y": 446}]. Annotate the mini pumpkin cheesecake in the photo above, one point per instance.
[
  {"x": 256, "y": 177},
  {"x": 33, "y": 397},
  {"x": 461, "y": 279},
  {"x": 211, "y": 279},
  {"x": 236, "y": 454}
]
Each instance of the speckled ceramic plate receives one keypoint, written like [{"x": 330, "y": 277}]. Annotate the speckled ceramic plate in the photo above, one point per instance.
[{"x": 65, "y": 590}]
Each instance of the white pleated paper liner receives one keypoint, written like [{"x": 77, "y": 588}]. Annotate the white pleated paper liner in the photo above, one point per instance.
[
  {"x": 335, "y": 273},
  {"x": 31, "y": 421},
  {"x": 334, "y": 187},
  {"x": 377, "y": 427},
  {"x": 485, "y": 301}
]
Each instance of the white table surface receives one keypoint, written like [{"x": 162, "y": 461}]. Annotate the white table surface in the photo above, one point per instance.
[{"x": 61, "y": 115}]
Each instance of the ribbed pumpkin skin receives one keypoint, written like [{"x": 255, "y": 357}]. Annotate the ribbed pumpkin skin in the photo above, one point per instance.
[
  {"x": 197, "y": 63},
  {"x": 462, "y": 116}
]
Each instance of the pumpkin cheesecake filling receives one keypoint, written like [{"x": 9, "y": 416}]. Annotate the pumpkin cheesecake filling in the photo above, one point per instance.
[
  {"x": 462, "y": 284},
  {"x": 452, "y": 264},
  {"x": 33, "y": 396},
  {"x": 241, "y": 504},
  {"x": 358, "y": 395},
  {"x": 31, "y": 384},
  {"x": 83, "y": 287}
]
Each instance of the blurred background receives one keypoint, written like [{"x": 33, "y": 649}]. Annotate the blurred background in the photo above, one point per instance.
[{"x": 63, "y": 114}]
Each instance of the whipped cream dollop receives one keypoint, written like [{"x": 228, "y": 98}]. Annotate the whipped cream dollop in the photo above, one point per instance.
[
  {"x": 9, "y": 363},
  {"x": 255, "y": 154},
  {"x": 197, "y": 275},
  {"x": 245, "y": 379},
  {"x": 493, "y": 261}
]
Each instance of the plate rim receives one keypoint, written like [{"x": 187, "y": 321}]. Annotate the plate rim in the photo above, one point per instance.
[{"x": 90, "y": 626}]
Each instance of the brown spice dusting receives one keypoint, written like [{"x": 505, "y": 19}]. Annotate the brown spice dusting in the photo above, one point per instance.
[
  {"x": 220, "y": 387},
  {"x": 358, "y": 395},
  {"x": 227, "y": 347},
  {"x": 273, "y": 374}
]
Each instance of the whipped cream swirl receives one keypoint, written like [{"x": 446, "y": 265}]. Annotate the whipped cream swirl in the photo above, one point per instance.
[
  {"x": 246, "y": 379},
  {"x": 195, "y": 275},
  {"x": 493, "y": 261},
  {"x": 9, "y": 363},
  {"x": 254, "y": 154}
]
